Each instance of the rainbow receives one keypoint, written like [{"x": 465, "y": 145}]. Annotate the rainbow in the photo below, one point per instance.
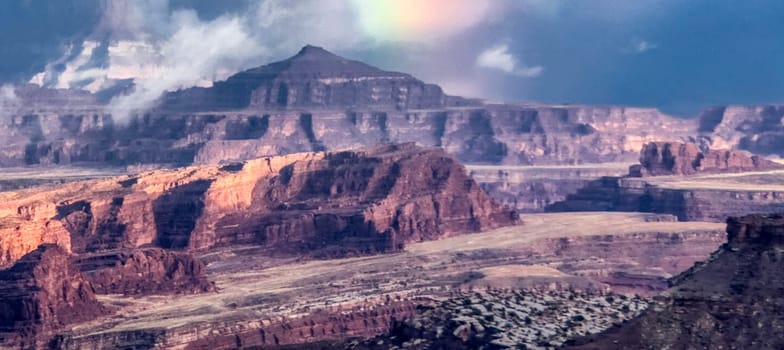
[{"x": 417, "y": 19}]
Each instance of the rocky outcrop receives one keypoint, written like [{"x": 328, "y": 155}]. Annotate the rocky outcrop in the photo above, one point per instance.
[
  {"x": 327, "y": 204},
  {"x": 144, "y": 271},
  {"x": 675, "y": 158},
  {"x": 732, "y": 301},
  {"x": 40, "y": 294},
  {"x": 314, "y": 79},
  {"x": 48, "y": 290},
  {"x": 25, "y": 226},
  {"x": 358, "y": 322},
  {"x": 483, "y": 134}
]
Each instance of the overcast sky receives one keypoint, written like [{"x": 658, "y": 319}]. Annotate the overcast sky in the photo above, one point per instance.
[{"x": 677, "y": 55}]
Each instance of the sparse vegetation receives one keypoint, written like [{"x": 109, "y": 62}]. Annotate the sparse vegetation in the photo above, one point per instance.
[{"x": 551, "y": 318}]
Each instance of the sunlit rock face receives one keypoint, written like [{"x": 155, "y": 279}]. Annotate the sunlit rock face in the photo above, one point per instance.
[
  {"x": 731, "y": 301},
  {"x": 135, "y": 235},
  {"x": 351, "y": 202}
]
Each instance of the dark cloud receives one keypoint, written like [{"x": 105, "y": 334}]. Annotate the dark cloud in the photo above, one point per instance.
[{"x": 33, "y": 32}]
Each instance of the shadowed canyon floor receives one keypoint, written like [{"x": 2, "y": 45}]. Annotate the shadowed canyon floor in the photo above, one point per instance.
[{"x": 258, "y": 294}]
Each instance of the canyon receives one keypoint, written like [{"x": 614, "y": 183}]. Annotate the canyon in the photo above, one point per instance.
[
  {"x": 527, "y": 155},
  {"x": 319, "y": 202}
]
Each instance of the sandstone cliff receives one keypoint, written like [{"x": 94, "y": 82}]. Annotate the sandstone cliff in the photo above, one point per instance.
[
  {"x": 484, "y": 134},
  {"x": 40, "y": 294},
  {"x": 732, "y": 301},
  {"x": 675, "y": 158},
  {"x": 350, "y": 202}
]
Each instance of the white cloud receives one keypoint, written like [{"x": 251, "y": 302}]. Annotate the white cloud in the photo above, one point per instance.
[
  {"x": 193, "y": 54},
  {"x": 498, "y": 57},
  {"x": 72, "y": 72},
  {"x": 162, "y": 51},
  {"x": 641, "y": 46},
  {"x": 8, "y": 97}
]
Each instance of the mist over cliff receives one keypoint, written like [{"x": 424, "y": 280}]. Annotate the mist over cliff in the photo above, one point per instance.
[{"x": 528, "y": 50}]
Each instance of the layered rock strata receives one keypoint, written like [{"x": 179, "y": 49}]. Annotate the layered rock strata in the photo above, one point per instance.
[
  {"x": 314, "y": 79},
  {"x": 318, "y": 101},
  {"x": 331, "y": 324},
  {"x": 483, "y": 134},
  {"x": 732, "y": 301},
  {"x": 326, "y": 204},
  {"x": 674, "y": 158}
]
